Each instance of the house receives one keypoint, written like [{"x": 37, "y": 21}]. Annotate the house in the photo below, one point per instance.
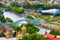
[{"x": 51, "y": 37}]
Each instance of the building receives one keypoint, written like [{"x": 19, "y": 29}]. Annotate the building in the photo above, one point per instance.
[
  {"x": 24, "y": 30},
  {"x": 56, "y": 2},
  {"x": 43, "y": 1}
]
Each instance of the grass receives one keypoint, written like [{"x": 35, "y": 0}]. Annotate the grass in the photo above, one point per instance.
[{"x": 48, "y": 19}]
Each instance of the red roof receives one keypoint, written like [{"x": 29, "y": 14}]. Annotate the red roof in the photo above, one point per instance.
[
  {"x": 50, "y": 36},
  {"x": 10, "y": 30},
  {"x": 57, "y": 39},
  {"x": 4, "y": 29}
]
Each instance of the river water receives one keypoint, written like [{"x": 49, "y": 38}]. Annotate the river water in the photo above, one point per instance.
[{"x": 15, "y": 17}]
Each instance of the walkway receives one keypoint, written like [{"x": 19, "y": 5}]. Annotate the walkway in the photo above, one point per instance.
[
  {"x": 2, "y": 38},
  {"x": 13, "y": 16},
  {"x": 37, "y": 22}
]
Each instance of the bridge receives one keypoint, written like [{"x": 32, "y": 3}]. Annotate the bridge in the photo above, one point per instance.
[{"x": 37, "y": 22}]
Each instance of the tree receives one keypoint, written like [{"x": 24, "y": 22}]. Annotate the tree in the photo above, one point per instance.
[
  {"x": 9, "y": 20},
  {"x": 30, "y": 27},
  {"x": 1, "y": 5},
  {"x": 33, "y": 37},
  {"x": 2, "y": 34},
  {"x": 17, "y": 10},
  {"x": 6, "y": 6},
  {"x": 30, "y": 17},
  {"x": 55, "y": 32},
  {"x": 1, "y": 12},
  {"x": 2, "y": 19},
  {"x": 15, "y": 4}
]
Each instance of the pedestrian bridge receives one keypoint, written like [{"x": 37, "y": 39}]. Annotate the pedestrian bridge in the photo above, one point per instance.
[{"x": 37, "y": 22}]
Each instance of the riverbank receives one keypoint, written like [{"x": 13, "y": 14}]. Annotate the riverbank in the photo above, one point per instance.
[{"x": 50, "y": 26}]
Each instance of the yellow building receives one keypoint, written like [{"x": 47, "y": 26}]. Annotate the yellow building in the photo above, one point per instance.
[{"x": 23, "y": 30}]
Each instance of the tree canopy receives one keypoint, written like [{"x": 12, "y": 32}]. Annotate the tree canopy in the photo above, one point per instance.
[
  {"x": 33, "y": 37},
  {"x": 55, "y": 32},
  {"x": 30, "y": 27}
]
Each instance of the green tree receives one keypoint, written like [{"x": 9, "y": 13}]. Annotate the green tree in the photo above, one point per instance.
[
  {"x": 9, "y": 20},
  {"x": 1, "y": 12},
  {"x": 2, "y": 34},
  {"x": 2, "y": 19},
  {"x": 55, "y": 32},
  {"x": 17, "y": 10},
  {"x": 31, "y": 28},
  {"x": 33, "y": 37},
  {"x": 30, "y": 17},
  {"x": 1, "y": 5},
  {"x": 15, "y": 4}
]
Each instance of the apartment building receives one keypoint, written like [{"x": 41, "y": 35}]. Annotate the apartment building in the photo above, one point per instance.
[
  {"x": 43, "y": 1},
  {"x": 14, "y": 0},
  {"x": 55, "y": 2}
]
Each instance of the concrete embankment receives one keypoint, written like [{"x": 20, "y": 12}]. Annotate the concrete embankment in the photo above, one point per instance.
[{"x": 50, "y": 26}]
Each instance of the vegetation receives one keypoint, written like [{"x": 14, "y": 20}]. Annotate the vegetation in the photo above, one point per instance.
[
  {"x": 30, "y": 27},
  {"x": 55, "y": 32},
  {"x": 9, "y": 20},
  {"x": 30, "y": 17},
  {"x": 33, "y": 37},
  {"x": 43, "y": 6},
  {"x": 2, "y": 34},
  {"x": 15, "y": 4},
  {"x": 17, "y": 10},
  {"x": 34, "y": 6},
  {"x": 2, "y": 19},
  {"x": 1, "y": 5},
  {"x": 6, "y": 6},
  {"x": 55, "y": 20},
  {"x": 14, "y": 9},
  {"x": 1, "y": 12}
]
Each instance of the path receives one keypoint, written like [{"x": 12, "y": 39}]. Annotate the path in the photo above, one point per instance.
[{"x": 2, "y": 38}]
